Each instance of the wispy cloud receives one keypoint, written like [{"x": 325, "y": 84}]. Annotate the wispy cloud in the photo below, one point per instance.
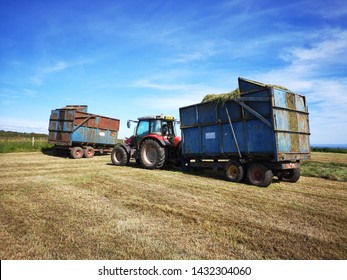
[
  {"x": 42, "y": 72},
  {"x": 199, "y": 51},
  {"x": 330, "y": 49},
  {"x": 59, "y": 66},
  {"x": 9, "y": 96},
  {"x": 336, "y": 9},
  {"x": 171, "y": 95},
  {"x": 149, "y": 84}
]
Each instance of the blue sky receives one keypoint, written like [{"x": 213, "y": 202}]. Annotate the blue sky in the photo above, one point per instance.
[{"x": 125, "y": 59}]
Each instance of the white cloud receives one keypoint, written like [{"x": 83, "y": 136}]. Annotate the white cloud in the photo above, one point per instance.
[
  {"x": 171, "y": 95},
  {"x": 42, "y": 72},
  {"x": 11, "y": 96},
  {"x": 331, "y": 49},
  {"x": 199, "y": 51},
  {"x": 145, "y": 83},
  {"x": 334, "y": 9}
]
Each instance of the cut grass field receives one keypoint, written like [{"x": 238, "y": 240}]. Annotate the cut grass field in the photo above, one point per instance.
[
  {"x": 331, "y": 166},
  {"x": 59, "y": 208}
]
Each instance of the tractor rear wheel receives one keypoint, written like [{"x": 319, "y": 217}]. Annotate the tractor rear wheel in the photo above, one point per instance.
[
  {"x": 153, "y": 155},
  {"x": 119, "y": 156},
  {"x": 259, "y": 175}
]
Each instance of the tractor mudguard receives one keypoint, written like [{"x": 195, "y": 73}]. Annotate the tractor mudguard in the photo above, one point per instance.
[
  {"x": 125, "y": 147},
  {"x": 176, "y": 141},
  {"x": 159, "y": 138}
]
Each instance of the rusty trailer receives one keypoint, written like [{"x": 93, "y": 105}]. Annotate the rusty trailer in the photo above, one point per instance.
[
  {"x": 262, "y": 133},
  {"x": 73, "y": 129}
]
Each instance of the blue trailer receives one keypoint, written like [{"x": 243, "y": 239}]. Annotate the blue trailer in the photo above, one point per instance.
[
  {"x": 75, "y": 130},
  {"x": 264, "y": 132}
]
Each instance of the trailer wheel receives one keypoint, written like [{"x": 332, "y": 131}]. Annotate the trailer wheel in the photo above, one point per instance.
[
  {"x": 233, "y": 171},
  {"x": 152, "y": 154},
  {"x": 290, "y": 175},
  {"x": 76, "y": 152},
  {"x": 88, "y": 152},
  {"x": 119, "y": 156},
  {"x": 259, "y": 175}
]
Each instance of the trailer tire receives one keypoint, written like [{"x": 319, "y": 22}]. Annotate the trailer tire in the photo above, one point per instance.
[
  {"x": 291, "y": 175},
  {"x": 234, "y": 171},
  {"x": 88, "y": 152},
  {"x": 119, "y": 156},
  {"x": 76, "y": 152},
  {"x": 259, "y": 175},
  {"x": 153, "y": 155}
]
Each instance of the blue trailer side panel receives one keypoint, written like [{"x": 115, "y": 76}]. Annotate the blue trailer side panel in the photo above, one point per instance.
[
  {"x": 229, "y": 144},
  {"x": 260, "y": 137},
  {"x": 210, "y": 139}
]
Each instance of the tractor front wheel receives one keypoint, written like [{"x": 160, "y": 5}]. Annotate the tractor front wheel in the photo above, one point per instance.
[
  {"x": 153, "y": 155},
  {"x": 119, "y": 156}
]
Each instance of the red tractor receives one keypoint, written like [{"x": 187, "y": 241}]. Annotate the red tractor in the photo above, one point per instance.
[{"x": 153, "y": 145}]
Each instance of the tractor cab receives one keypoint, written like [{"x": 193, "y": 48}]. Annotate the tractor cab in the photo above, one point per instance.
[{"x": 159, "y": 127}]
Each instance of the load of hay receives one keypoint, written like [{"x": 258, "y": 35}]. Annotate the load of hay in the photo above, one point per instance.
[{"x": 224, "y": 97}]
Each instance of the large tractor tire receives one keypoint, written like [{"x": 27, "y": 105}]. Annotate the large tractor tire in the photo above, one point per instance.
[
  {"x": 234, "y": 171},
  {"x": 153, "y": 155},
  {"x": 76, "y": 152},
  {"x": 259, "y": 175},
  {"x": 119, "y": 156},
  {"x": 291, "y": 175}
]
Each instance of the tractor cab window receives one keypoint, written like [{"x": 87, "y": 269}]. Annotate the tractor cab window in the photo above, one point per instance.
[
  {"x": 142, "y": 129},
  {"x": 155, "y": 127}
]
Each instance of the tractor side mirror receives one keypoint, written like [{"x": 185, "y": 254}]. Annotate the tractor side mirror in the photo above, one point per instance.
[{"x": 128, "y": 124}]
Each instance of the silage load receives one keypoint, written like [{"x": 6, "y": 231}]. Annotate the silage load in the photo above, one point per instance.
[{"x": 224, "y": 97}]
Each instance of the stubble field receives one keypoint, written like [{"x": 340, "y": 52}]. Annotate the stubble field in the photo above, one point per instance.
[{"x": 59, "y": 208}]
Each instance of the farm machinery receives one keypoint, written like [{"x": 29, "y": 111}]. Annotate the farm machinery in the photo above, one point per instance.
[
  {"x": 153, "y": 145},
  {"x": 260, "y": 133}
]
